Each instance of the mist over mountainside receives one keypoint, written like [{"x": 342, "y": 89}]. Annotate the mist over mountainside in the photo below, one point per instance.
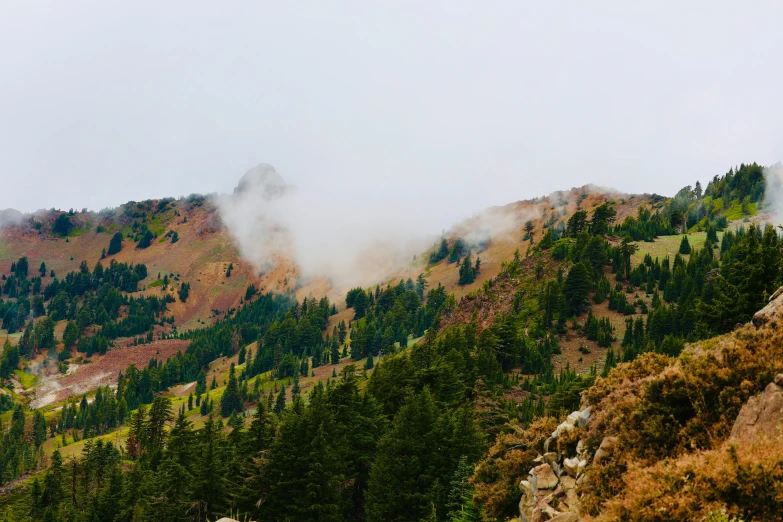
[
  {"x": 541, "y": 346},
  {"x": 391, "y": 262}
]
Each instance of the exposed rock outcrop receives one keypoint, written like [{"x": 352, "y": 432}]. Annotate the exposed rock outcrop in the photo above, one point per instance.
[
  {"x": 551, "y": 490},
  {"x": 263, "y": 181},
  {"x": 762, "y": 415},
  {"x": 773, "y": 310}
]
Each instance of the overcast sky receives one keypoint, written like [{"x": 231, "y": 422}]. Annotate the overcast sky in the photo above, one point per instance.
[{"x": 462, "y": 105}]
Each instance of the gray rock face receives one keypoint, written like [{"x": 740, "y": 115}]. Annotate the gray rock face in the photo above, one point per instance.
[
  {"x": 262, "y": 180},
  {"x": 584, "y": 417},
  {"x": 551, "y": 491},
  {"x": 762, "y": 415},
  {"x": 773, "y": 310}
]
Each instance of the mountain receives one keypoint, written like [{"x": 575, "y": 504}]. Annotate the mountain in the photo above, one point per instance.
[{"x": 573, "y": 355}]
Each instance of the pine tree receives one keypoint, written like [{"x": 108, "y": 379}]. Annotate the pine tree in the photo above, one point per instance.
[
  {"x": 467, "y": 271},
  {"x": 145, "y": 240},
  {"x": 210, "y": 481},
  {"x": 295, "y": 389},
  {"x": 460, "y": 505},
  {"x": 52, "y": 488},
  {"x": 280, "y": 402},
  {"x": 201, "y": 383},
  {"x": 115, "y": 245},
  {"x": 441, "y": 253},
  {"x": 335, "y": 352},
  {"x": 322, "y": 489},
  {"x": 261, "y": 432},
  {"x": 685, "y": 246},
  {"x": 577, "y": 288},
  {"x": 160, "y": 414},
  {"x": 407, "y": 479},
  {"x": 231, "y": 401},
  {"x": 342, "y": 332},
  {"x": 184, "y": 291}
]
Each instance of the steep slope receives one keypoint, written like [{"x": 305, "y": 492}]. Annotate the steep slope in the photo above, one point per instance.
[{"x": 498, "y": 232}]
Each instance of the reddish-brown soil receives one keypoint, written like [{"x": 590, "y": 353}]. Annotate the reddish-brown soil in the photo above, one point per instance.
[{"x": 103, "y": 370}]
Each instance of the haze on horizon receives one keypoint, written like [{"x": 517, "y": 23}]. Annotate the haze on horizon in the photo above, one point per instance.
[{"x": 436, "y": 110}]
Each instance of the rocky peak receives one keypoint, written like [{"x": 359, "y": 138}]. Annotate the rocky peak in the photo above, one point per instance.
[{"x": 262, "y": 181}]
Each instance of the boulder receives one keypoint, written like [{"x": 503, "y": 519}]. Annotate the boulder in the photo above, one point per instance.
[
  {"x": 565, "y": 517},
  {"x": 770, "y": 312},
  {"x": 762, "y": 415},
  {"x": 580, "y": 468},
  {"x": 550, "y": 512},
  {"x": 584, "y": 417},
  {"x": 573, "y": 418},
  {"x": 572, "y": 497},
  {"x": 570, "y": 466},
  {"x": 562, "y": 428},
  {"x": 545, "y": 477},
  {"x": 605, "y": 449}
]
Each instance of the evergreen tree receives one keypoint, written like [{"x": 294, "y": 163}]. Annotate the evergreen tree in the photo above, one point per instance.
[
  {"x": 685, "y": 246},
  {"x": 231, "y": 401},
  {"x": 407, "y": 479},
  {"x": 335, "y": 352},
  {"x": 441, "y": 253},
  {"x": 295, "y": 388},
  {"x": 145, "y": 240},
  {"x": 201, "y": 383},
  {"x": 460, "y": 505},
  {"x": 115, "y": 245},
  {"x": 184, "y": 291},
  {"x": 467, "y": 271},
  {"x": 280, "y": 402},
  {"x": 160, "y": 414},
  {"x": 577, "y": 288},
  {"x": 62, "y": 225},
  {"x": 261, "y": 432}
]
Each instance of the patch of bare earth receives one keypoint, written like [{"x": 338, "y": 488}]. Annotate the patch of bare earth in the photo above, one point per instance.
[{"x": 103, "y": 370}]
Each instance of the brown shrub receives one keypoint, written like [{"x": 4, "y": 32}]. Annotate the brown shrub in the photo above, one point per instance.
[
  {"x": 496, "y": 478},
  {"x": 746, "y": 481},
  {"x": 662, "y": 408}
]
